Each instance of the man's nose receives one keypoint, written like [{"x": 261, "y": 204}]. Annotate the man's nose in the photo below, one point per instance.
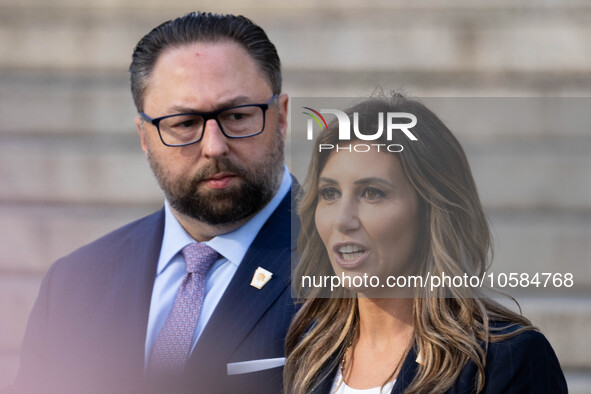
[{"x": 214, "y": 143}]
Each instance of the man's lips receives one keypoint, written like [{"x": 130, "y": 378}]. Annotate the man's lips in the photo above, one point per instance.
[
  {"x": 219, "y": 180},
  {"x": 349, "y": 255}
]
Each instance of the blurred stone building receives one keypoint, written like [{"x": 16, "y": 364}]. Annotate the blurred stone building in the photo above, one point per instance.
[{"x": 71, "y": 167}]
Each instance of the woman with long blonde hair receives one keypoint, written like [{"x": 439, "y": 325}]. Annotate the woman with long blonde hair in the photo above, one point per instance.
[{"x": 404, "y": 212}]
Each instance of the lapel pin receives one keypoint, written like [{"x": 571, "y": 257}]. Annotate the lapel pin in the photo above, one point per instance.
[{"x": 260, "y": 278}]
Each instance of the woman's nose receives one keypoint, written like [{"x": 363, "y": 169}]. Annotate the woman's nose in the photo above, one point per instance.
[{"x": 347, "y": 217}]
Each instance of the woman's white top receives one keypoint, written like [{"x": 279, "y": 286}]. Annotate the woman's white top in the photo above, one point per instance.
[{"x": 340, "y": 387}]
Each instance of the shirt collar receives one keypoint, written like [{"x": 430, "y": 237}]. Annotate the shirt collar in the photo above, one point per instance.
[{"x": 233, "y": 245}]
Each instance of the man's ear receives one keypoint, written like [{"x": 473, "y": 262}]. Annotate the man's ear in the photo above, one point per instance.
[
  {"x": 142, "y": 133},
  {"x": 283, "y": 104}
]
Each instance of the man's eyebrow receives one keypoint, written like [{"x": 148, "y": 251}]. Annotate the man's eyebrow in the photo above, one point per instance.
[{"x": 232, "y": 102}]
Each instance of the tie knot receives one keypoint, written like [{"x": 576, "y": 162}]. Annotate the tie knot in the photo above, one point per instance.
[{"x": 199, "y": 257}]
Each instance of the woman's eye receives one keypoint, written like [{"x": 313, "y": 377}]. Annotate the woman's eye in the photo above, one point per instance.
[
  {"x": 371, "y": 193},
  {"x": 328, "y": 193}
]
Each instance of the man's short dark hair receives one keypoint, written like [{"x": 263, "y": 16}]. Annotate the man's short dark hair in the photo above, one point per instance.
[{"x": 202, "y": 27}]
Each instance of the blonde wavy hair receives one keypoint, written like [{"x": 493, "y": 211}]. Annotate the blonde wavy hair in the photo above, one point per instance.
[{"x": 450, "y": 326}]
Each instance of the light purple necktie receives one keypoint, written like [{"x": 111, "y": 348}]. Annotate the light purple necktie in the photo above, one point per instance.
[{"x": 174, "y": 342}]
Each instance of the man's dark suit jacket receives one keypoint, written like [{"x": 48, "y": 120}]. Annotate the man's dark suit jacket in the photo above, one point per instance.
[
  {"x": 523, "y": 364},
  {"x": 87, "y": 330}
]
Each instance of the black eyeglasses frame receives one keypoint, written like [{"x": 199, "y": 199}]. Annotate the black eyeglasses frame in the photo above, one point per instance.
[{"x": 207, "y": 116}]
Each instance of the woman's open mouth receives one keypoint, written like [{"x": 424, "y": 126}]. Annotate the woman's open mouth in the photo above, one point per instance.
[{"x": 350, "y": 255}]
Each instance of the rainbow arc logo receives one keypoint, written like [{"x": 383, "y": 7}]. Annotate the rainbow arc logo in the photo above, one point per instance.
[{"x": 315, "y": 116}]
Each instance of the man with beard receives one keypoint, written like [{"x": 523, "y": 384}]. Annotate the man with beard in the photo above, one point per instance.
[{"x": 166, "y": 304}]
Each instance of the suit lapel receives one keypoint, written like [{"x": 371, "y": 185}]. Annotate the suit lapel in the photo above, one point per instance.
[
  {"x": 131, "y": 283},
  {"x": 407, "y": 373},
  {"x": 242, "y": 305},
  {"x": 325, "y": 385}
]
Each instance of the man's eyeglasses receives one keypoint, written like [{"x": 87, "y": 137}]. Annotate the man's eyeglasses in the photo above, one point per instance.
[{"x": 241, "y": 121}]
